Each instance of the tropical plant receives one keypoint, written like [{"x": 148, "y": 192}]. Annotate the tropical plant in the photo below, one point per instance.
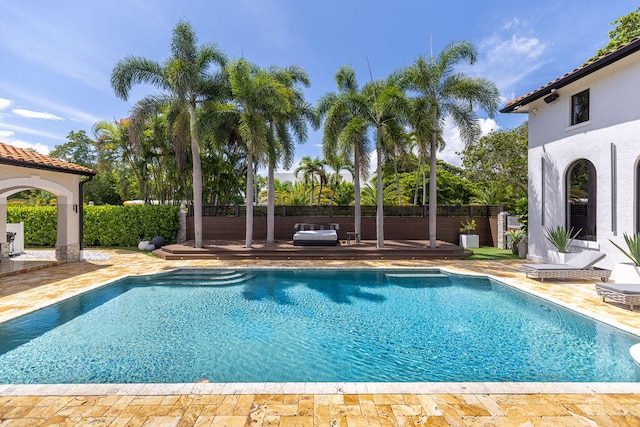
[
  {"x": 515, "y": 237},
  {"x": 345, "y": 132},
  {"x": 281, "y": 127},
  {"x": 446, "y": 93},
  {"x": 258, "y": 97},
  {"x": 626, "y": 29},
  {"x": 337, "y": 162},
  {"x": 633, "y": 247},
  {"x": 499, "y": 159},
  {"x": 186, "y": 82},
  {"x": 560, "y": 237},
  {"x": 468, "y": 226},
  {"x": 312, "y": 170}
]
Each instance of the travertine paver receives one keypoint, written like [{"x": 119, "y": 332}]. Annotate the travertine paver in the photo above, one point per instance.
[
  {"x": 323, "y": 410},
  {"x": 500, "y": 404}
]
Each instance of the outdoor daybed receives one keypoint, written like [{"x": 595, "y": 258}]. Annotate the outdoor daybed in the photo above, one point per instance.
[
  {"x": 315, "y": 234},
  {"x": 624, "y": 293},
  {"x": 579, "y": 267}
]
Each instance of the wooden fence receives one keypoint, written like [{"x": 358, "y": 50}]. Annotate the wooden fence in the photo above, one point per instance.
[{"x": 232, "y": 227}]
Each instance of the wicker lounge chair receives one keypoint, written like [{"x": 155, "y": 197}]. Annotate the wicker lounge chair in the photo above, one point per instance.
[
  {"x": 579, "y": 267},
  {"x": 624, "y": 293}
]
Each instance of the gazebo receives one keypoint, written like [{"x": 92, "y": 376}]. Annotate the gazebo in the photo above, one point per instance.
[{"x": 22, "y": 170}]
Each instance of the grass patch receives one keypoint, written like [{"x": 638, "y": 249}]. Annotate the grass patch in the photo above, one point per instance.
[{"x": 487, "y": 253}]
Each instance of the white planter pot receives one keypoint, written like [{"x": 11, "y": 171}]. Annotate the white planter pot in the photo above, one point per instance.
[
  {"x": 470, "y": 240},
  {"x": 626, "y": 272},
  {"x": 555, "y": 257}
]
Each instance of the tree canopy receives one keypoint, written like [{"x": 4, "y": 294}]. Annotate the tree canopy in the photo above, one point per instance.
[
  {"x": 626, "y": 29},
  {"x": 499, "y": 159}
]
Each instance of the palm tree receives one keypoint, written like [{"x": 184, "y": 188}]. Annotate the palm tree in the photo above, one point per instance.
[
  {"x": 446, "y": 93},
  {"x": 345, "y": 132},
  {"x": 186, "y": 82},
  {"x": 337, "y": 162},
  {"x": 381, "y": 105},
  {"x": 310, "y": 169},
  {"x": 281, "y": 127},
  {"x": 258, "y": 97}
]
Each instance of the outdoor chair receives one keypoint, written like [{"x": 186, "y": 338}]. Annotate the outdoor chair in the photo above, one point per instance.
[
  {"x": 624, "y": 293},
  {"x": 579, "y": 267}
]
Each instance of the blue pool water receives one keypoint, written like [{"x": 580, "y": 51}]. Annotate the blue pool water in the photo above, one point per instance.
[{"x": 310, "y": 325}]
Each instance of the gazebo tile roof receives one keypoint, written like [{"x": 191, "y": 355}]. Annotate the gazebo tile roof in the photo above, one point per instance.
[{"x": 12, "y": 155}]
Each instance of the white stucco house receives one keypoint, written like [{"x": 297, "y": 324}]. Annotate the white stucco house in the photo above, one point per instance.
[{"x": 584, "y": 154}]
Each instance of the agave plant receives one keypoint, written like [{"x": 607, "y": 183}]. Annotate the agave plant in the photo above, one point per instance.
[
  {"x": 633, "y": 244},
  {"x": 560, "y": 237}
]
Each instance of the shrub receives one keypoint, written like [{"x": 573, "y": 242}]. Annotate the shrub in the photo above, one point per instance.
[
  {"x": 103, "y": 225},
  {"x": 39, "y": 223}
]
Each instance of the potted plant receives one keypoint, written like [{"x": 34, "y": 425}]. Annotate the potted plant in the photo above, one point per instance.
[
  {"x": 628, "y": 272},
  {"x": 560, "y": 238},
  {"x": 518, "y": 242},
  {"x": 468, "y": 240}
]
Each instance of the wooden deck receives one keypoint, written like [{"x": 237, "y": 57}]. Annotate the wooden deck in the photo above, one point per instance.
[{"x": 283, "y": 250}]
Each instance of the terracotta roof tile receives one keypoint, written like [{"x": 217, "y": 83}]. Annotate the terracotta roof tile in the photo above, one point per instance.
[
  {"x": 21, "y": 157},
  {"x": 584, "y": 69}
]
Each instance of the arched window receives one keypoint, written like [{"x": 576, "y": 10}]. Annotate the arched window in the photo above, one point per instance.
[{"x": 581, "y": 199}]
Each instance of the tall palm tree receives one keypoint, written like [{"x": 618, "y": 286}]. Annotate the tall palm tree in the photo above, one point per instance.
[
  {"x": 186, "y": 82},
  {"x": 258, "y": 97},
  {"x": 283, "y": 128},
  {"x": 381, "y": 105},
  {"x": 446, "y": 93},
  {"x": 345, "y": 132}
]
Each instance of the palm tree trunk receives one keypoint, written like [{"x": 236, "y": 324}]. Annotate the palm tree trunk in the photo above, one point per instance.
[
  {"x": 249, "y": 200},
  {"x": 415, "y": 194},
  {"x": 433, "y": 202},
  {"x": 380, "y": 207},
  {"x": 357, "y": 209},
  {"x": 197, "y": 180},
  {"x": 271, "y": 206},
  {"x": 395, "y": 167}
]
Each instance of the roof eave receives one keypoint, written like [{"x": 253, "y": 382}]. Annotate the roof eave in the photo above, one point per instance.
[
  {"x": 45, "y": 167},
  {"x": 596, "y": 65}
]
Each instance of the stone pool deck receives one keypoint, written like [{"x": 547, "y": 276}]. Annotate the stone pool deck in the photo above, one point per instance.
[{"x": 284, "y": 404}]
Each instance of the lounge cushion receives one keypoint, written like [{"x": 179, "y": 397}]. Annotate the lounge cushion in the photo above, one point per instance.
[{"x": 622, "y": 288}]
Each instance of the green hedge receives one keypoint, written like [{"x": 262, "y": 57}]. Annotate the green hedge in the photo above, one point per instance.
[{"x": 103, "y": 225}]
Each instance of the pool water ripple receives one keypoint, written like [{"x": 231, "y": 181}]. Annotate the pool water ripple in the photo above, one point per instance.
[{"x": 310, "y": 326}]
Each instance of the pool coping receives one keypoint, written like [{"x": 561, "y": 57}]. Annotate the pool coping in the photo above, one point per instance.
[
  {"x": 509, "y": 388},
  {"x": 148, "y": 389}
]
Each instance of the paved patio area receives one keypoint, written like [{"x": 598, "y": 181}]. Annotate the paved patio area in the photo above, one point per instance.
[{"x": 278, "y": 404}]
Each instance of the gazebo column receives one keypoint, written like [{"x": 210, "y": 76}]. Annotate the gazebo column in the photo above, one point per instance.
[
  {"x": 4, "y": 245},
  {"x": 68, "y": 245}
]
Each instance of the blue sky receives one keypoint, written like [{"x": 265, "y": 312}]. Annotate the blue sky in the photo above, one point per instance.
[{"x": 56, "y": 57}]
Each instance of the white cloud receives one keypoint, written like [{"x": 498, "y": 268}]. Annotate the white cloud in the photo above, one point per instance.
[
  {"x": 6, "y": 133},
  {"x": 454, "y": 144},
  {"x": 30, "y": 131},
  {"x": 5, "y": 103},
  {"x": 35, "y": 114},
  {"x": 72, "y": 113},
  {"x": 40, "y": 148},
  {"x": 507, "y": 57}
]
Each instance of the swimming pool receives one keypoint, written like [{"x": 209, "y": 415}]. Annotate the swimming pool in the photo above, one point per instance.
[{"x": 322, "y": 325}]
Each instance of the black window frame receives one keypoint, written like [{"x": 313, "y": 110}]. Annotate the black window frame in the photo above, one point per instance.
[{"x": 580, "y": 107}]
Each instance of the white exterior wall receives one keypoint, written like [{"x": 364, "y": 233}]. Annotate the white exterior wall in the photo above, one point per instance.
[
  {"x": 64, "y": 186},
  {"x": 614, "y": 119}
]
